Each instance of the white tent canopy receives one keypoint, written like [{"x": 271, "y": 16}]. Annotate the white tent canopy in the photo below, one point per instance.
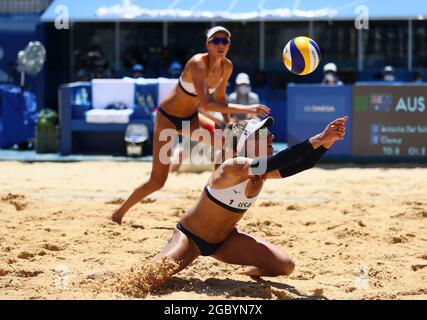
[{"x": 207, "y": 10}]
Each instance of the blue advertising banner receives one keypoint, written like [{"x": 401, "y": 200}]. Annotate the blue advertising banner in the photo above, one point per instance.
[{"x": 311, "y": 107}]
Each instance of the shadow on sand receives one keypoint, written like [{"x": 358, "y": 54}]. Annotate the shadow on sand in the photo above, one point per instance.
[{"x": 229, "y": 288}]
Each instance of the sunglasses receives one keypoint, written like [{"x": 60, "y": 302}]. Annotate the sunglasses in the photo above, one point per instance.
[{"x": 219, "y": 40}]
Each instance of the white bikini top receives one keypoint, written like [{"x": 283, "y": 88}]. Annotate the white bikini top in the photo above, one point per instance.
[
  {"x": 188, "y": 87},
  {"x": 232, "y": 198}
]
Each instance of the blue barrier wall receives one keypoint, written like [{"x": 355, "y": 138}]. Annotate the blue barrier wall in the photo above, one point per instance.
[
  {"x": 387, "y": 121},
  {"x": 311, "y": 107}
]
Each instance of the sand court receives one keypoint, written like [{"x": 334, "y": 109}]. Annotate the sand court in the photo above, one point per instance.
[{"x": 354, "y": 233}]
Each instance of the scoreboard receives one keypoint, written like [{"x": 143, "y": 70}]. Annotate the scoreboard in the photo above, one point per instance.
[{"x": 389, "y": 121}]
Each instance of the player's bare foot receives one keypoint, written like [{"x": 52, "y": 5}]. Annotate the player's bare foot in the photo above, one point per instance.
[{"x": 117, "y": 217}]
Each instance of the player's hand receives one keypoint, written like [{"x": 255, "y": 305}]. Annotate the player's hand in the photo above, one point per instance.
[
  {"x": 258, "y": 109},
  {"x": 340, "y": 125},
  {"x": 334, "y": 131}
]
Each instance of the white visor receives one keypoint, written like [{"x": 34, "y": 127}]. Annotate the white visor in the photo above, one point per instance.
[
  {"x": 251, "y": 128},
  {"x": 216, "y": 29}
]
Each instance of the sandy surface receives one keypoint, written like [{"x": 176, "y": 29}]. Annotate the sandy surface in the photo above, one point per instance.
[{"x": 354, "y": 233}]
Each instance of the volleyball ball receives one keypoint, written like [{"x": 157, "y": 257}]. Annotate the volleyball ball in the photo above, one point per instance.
[{"x": 301, "y": 55}]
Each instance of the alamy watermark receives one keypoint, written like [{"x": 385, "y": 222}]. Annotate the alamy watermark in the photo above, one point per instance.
[
  {"x": 212, "y": 147},
  {"x": 62, "y": 277},
  {"x": 362, "y": 277},
  {"x": 361, "y": 22},
  {"x": 62, "y": 20}
]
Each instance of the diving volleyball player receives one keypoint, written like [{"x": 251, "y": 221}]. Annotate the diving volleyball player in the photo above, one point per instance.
[{"x": 209, "y": 227}]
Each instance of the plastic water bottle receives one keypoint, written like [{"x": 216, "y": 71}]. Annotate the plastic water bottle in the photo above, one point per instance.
[
  {"x": 78, "y": 98},
  {"x": 84, "y": 96}
]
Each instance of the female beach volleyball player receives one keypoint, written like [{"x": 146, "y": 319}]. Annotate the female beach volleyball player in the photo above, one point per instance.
[
  {"x": 209, "y": 227},
  {"x": 205, "y": 74}
]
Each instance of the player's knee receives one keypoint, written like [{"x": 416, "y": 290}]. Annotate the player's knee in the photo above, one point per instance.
[
  {"x": 288, "y": 267},
  {"x": 285, "y": 267},
  {"x": 157, "y": 183},
  {"x": 152, "y": 185}
]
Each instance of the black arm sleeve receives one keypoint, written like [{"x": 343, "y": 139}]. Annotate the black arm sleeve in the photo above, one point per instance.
[
  {"x": 307, "y": 162},
  {"x": 283, "y": 158}
]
